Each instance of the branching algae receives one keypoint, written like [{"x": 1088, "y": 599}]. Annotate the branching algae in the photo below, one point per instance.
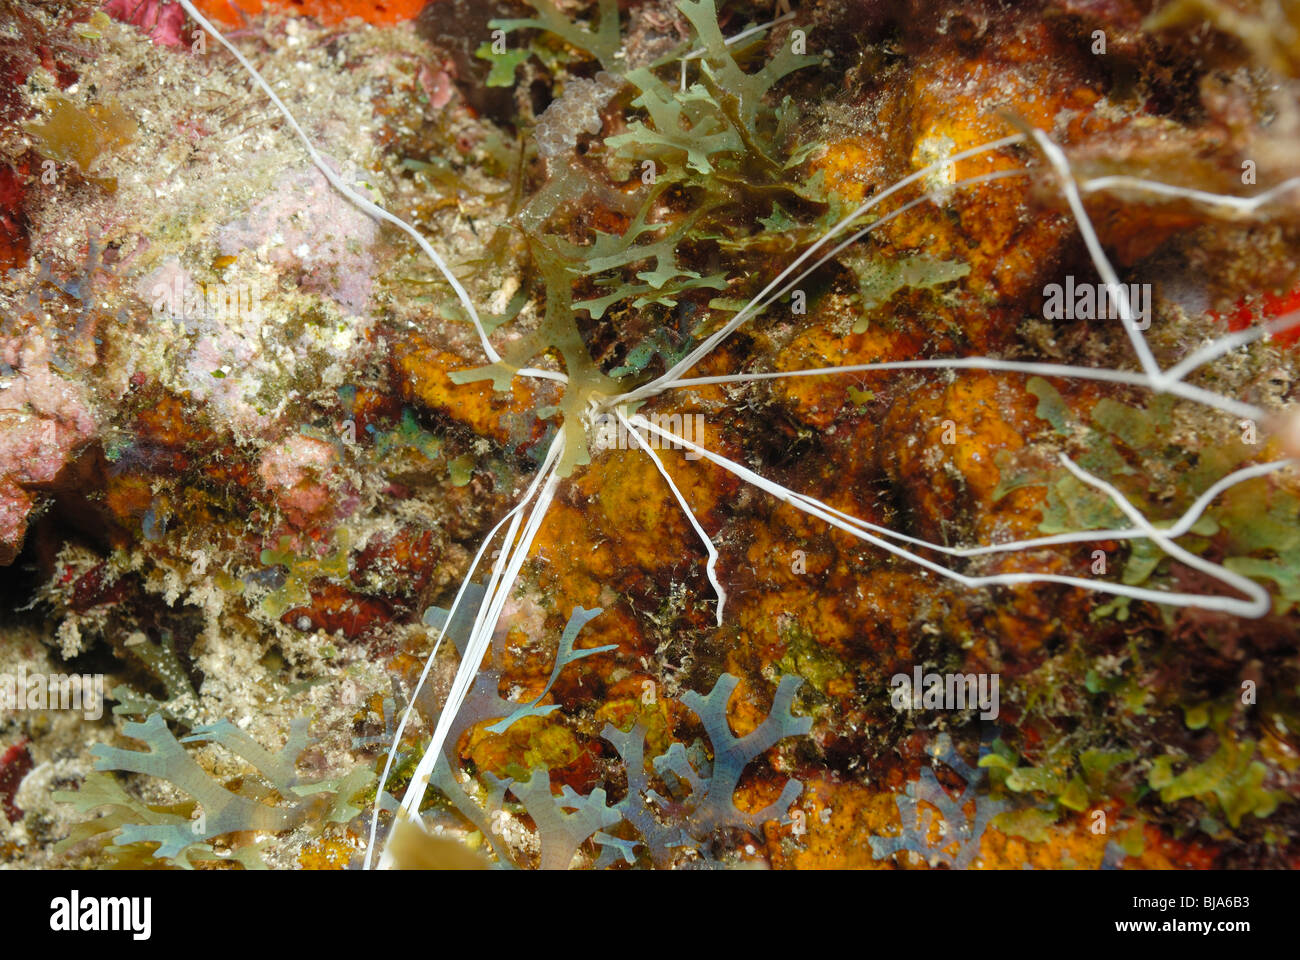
[
  {"x": 642, "y": 223},
  {"x": 698, "y": 794},
  {"x": 274, "y": 801}
]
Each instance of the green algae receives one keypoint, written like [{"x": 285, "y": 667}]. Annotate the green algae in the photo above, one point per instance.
[
  {"x": 880, "y": 278},
  {"x": 301, "y": 570},
  {"x": 712, "y": 143},
  {"x": 805, "y": 657},
  {"x": 274, "y": 800},
  {"x": 1230, "y": 781}
]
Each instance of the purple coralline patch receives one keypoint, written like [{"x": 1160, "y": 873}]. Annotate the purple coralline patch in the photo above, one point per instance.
[{"x": 304, "y": 224}]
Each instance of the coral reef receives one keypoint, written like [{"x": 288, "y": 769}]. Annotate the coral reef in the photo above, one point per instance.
[{"x": 707, "y": 373}]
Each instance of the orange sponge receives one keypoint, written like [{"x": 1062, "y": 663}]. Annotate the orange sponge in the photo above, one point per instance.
[{"x": 227, "y": 12}]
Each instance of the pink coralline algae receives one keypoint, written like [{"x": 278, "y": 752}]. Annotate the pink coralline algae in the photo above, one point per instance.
[
  {"x": 437, "y": 86},
  {"x": 305, "y": 224},
  {"x": 164, "y": 23},
  {"x": 47, "y": 419},
  {"x": 293, "y": 471},
  {"x": 220, "y": 367}
]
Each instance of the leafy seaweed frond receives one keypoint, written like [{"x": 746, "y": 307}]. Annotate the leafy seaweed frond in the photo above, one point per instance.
[
  {"x": 1254, "y": 523},
  {"x": 602, "y": 41},
  {"x": 300, "y": 571},
  {"x": 675, "y": 801},
  {"x": 564, "y": 656},
  {"x": 958, "y": 834},
  {"x": 708, "y": 154},
  {"x": 273, "y": 801},
  {"x": 702, "y": 792},
  {"x": 1231, "y": 782},
  {"x": 163, "y": 663}
]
